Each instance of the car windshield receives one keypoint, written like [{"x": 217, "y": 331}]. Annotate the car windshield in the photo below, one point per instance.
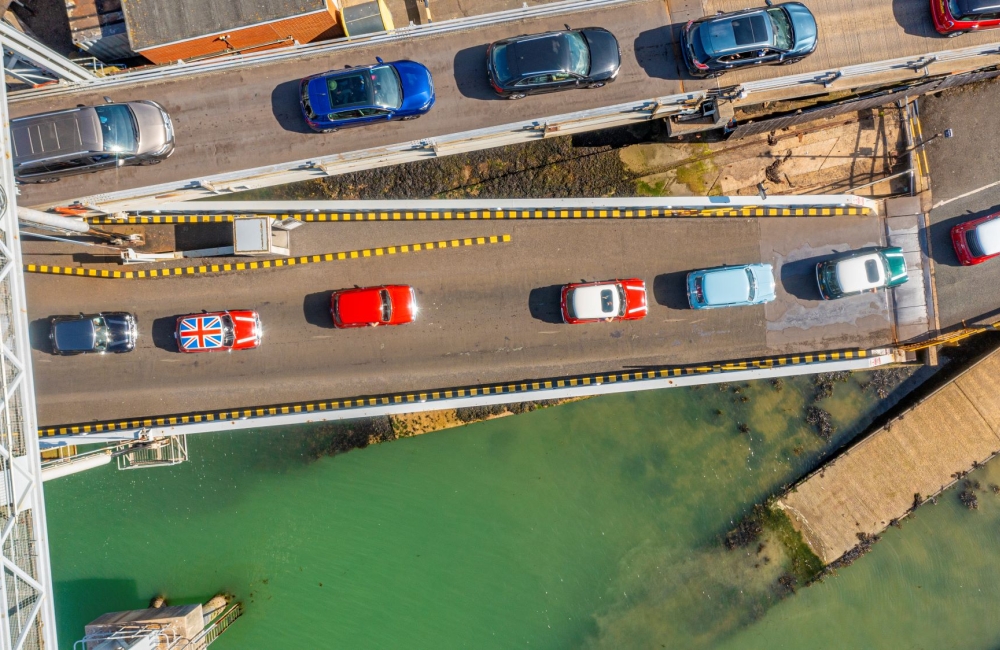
[
  {"x": 783, "y": 38},
  {"x": 500, "y": 64},
  {"x": 753, "y": 284},
  {"x": 100, "y": 333},
  {"x": 118, "y": 128},
  {"x": 579, "y": 53},
  {"x": 228, "y": 331},
  {"x": 386, "y": 306},
  {"x": 386, "y": 91},
  {"x": 975, "y": 247}
]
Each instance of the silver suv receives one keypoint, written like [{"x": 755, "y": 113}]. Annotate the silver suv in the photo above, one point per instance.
[{"x": 87, "y": 139}]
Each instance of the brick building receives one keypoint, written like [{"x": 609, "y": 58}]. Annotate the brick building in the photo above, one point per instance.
[{"x": 164, "y": 31}]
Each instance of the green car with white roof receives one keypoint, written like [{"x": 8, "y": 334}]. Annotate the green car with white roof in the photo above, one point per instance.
[{"x": 861, "y": 272}]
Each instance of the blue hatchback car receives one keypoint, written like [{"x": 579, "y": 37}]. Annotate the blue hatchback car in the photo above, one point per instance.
[
  {"x": 401, "y": 90},
  {"x": 730, "y": 286}
]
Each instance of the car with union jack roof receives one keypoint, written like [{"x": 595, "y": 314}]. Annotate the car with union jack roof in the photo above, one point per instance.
[
  {"x": 611, "y": 300},
  {"x": 978, "y": 240},
  {"x": 393, "y": 304},
  {"x": 219, "y": 331}
]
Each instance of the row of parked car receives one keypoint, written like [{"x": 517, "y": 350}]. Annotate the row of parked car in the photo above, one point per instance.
[
  {"x": 91, "y": 138},
  {"x": 580, "y": 302}
]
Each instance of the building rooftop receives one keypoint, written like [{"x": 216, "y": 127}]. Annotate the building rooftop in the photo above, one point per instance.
[{"x": 157, "y": 22}]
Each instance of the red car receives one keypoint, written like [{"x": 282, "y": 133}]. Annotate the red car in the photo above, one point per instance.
[
  {"x": 218, "y": 330},
  {"x": 593, "y": 302},
  {"x": 393, "y": 304},
  {"x": 977, "y": 241},
  {"x": 956, "y": 17}
]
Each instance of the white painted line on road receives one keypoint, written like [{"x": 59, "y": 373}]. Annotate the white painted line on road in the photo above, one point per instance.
[{"x": 962, "y": 196}]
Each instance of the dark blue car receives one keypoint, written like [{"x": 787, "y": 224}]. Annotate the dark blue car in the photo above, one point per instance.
[
  {"x": 774, "y": 35},
  {"x": 401, "y": 90}
]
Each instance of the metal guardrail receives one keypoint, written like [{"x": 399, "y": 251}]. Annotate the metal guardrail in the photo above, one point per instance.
[
  {"x": 159, "y": 73},
  {"x": 47, "y": 60},
  {"x": 220, "y": 625},
  {"x": 27, "y": 617}
]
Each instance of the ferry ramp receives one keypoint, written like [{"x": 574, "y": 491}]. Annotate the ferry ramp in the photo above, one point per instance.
[{"x": 239, "y": 126}]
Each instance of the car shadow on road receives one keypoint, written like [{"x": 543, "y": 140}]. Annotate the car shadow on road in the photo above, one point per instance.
[
  {"x": 670, "y": 290},
  {"x": 163, "y": 333},
  {"x": 316, "y": 309},
  {"x": 798, "y": 278},
  {"x": 942, "y": 250},
  {"x": 286, "y": 109},
  {"x": 543, "y": 303},
  {"x": 914, "y": 18},
  {"x": 470, "y": 73},
  {"x": 654, "y": 51},
  {"x": 38, "y": 335}
]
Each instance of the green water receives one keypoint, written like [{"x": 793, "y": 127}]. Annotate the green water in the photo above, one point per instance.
[{"x": 595, "y": 524}]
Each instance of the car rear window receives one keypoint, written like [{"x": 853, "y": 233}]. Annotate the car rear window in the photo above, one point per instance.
[
  {"x": 500, "y": 65},
  {"x": 749, "y": 30},
  {"x": 871, "y": 270},
  {"x": 386, "y": 306},
  {"x": 975, "y": 246}
]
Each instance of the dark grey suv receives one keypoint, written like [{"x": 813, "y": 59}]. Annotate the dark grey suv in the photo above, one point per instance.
[
  {"x": 114, "y": 331},
  {"x": 87, "y": 139}
]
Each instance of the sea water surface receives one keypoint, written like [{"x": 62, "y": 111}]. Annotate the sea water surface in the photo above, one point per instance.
[{"x": 596, "y": 524}]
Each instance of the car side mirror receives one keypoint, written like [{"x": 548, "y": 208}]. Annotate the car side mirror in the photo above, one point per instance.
[
  {"x": 108, "y": 99},
  {"x": 769, "y": 3},
  {"x": 379, "y": 59}
]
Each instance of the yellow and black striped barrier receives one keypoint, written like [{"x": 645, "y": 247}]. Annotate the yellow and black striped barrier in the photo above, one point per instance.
[
  {"x": 265, "y": 264},
  {"x": 480, "y": 215},
  {"x": 438, "y": 395}
]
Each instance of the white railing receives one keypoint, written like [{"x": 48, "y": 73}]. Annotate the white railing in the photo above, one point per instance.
[{"x": 27, "y": 619}]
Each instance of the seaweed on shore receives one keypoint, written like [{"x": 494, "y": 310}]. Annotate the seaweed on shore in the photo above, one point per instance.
[
  {"x": 821, "y": 421},
  {"x": 968, "y": 495},
  {"x": 478, "y": 413},
  {"x": 825, "y": 382},
  {"x": 339, "y": 437},
  {"x": 862, "y": 548},
  {"x": 746, "y": 532},
  {"x": 883, "y": 380}
]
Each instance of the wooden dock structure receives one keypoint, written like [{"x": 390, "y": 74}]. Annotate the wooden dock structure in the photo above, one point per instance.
[{"x": 922, "y": 451}]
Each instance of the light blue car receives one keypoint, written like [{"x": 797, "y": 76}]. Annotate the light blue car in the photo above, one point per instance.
[{"x": 730, "y": 286}]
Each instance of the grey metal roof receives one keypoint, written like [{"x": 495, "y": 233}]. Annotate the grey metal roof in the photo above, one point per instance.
[{"x": 158, "y": 22}]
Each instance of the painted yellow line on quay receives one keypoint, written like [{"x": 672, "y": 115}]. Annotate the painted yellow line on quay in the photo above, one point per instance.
[
  {"x": 285, "y": 262},
  {"x": 450, "y": 393},
  {"x": 495, "y": 215}
]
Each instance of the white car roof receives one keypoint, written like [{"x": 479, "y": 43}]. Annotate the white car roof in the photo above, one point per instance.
[
  {"x": 852, "y": 275},
  {"x": 989, "y": 236},
  {"x": 586, "y": 301}
]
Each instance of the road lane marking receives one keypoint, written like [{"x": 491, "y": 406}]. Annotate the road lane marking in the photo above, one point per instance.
[
  {"x": 78, "y": 271},
  {"x": 967, "y": 194},
  {"x": 479, "y": 215},
  {"x": 442, "y": 394}
]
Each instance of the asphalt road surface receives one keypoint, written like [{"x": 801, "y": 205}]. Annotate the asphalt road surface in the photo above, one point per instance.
[
  {"x": 487, "y": 314},
  {"x": 250, "y": 117},
  {"x": 964, "y": 185}
]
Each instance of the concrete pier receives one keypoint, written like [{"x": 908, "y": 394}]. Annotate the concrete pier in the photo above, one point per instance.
[{"x": 922, "y": 451}]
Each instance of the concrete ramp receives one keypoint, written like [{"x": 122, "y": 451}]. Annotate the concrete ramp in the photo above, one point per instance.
[{"x": 920, "y": 452}]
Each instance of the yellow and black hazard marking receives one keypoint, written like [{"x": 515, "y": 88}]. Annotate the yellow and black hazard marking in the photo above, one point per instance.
[
  {"x": 480, "y": 215},
  {"x": 284, "y": 262},
  {"x": 438, "y": 395}
]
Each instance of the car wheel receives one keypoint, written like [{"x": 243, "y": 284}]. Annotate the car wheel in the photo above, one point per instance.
[
  {"x": 596, "y": 84},
  {"x": 954, "y": 34},
  {"x": 328, "y": 130},
  {"x": 516, "y": 96},
  {"x": 712, "y": 75},
  {"x": 147, "y": 163},
  {"x": 789, "y": 61},
  {"x": 410, "y": 117},
  {"x": 43, "y": 181}
]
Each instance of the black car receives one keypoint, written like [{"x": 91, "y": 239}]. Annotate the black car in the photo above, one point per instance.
[
  {"x": 543, "y": 63},
  {"x": 105, "y": 332},
  {"x": 777, "y": 34}
]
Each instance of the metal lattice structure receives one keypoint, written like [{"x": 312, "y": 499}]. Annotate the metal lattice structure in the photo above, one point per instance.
[{"x": 27, "y": 618}]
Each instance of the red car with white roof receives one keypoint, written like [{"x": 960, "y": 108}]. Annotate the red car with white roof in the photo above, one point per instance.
[
  {"x": 393, "y": 304},
  {"x": 612, "y": 300},
  {"x": 977, "y": 241},
  {"x": 219, "y": 331}
]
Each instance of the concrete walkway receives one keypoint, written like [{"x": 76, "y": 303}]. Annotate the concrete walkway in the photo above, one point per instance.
[{"x": 921, "y": 452}]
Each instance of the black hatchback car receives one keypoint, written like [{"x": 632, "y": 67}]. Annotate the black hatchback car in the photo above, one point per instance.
[
  {"x": 776, "y": 34},
  {"x": 543, "y": 63},
  {"x": 114, "y": 331}
]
